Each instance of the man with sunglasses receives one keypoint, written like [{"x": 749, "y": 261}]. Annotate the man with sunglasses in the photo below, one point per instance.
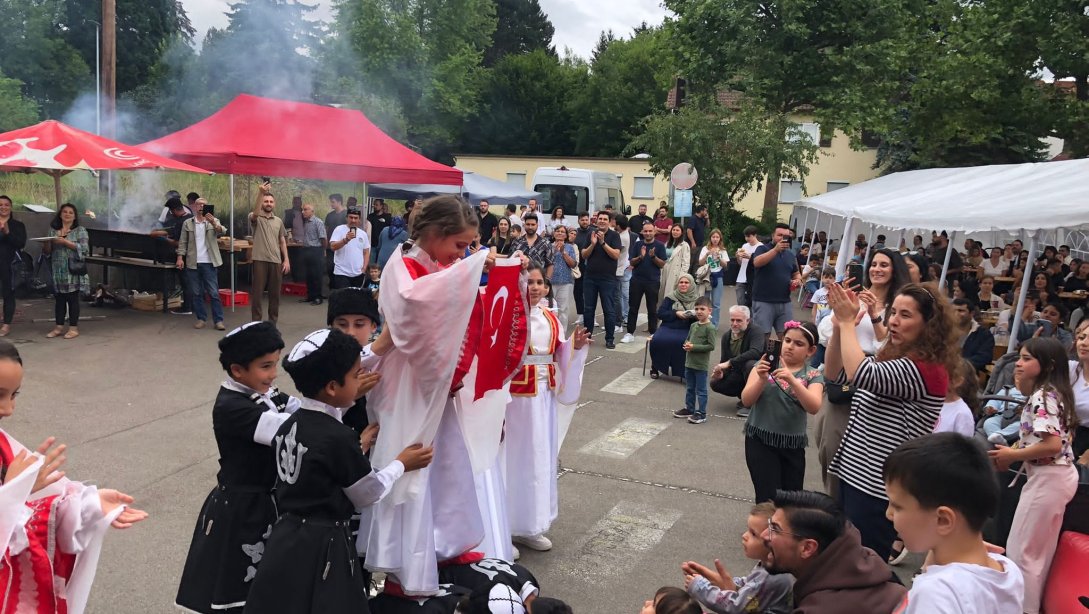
[{"x": 810, "y": 538}]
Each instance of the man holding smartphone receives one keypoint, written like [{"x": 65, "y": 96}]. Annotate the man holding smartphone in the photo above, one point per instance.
[
  {"x": 351, "y": 251},
  {"x": 775, "y": 275},
  {"x": 199, "y": 259},
  {"x": 599, "y": 278}
]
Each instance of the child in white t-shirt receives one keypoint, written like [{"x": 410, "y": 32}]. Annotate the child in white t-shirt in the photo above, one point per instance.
[
  {"x": 958, "y": 411},
  {"x": 941, "y": 489},
  {"x": 820, "y": 297}
]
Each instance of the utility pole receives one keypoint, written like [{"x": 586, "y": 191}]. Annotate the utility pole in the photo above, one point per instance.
[{"x": 109, "y": 66}]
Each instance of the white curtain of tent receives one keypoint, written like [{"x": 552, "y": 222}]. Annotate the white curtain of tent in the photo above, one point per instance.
[{"x": 995, "y": 200}]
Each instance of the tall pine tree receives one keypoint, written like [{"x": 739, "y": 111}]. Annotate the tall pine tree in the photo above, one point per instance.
[{"x": 521, "y": 27}]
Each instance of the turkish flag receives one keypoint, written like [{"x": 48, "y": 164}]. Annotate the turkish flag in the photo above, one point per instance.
[{"x": 504, "y": 328}]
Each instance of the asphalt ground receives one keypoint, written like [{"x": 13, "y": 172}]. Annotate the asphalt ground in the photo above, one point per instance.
[{"x": 640, "y": 491}]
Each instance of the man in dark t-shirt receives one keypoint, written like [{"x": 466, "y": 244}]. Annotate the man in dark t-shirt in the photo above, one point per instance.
[
  {"x": 636, "y": 222},
  {"x": 599, "y": 277},
  {"x": 648, "y": 258},
  {"x": 696, "y": 234},
  {"x": 775, "y": 275}
]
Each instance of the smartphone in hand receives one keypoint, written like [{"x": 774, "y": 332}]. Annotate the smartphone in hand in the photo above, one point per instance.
[
  {"x": 207, "y": 210},
  {"x": 854, "y": 271},
  {"x": 772, "y": 351}
]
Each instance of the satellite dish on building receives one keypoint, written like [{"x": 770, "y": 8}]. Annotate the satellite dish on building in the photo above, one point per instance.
[{"x": 683, "y": 176}]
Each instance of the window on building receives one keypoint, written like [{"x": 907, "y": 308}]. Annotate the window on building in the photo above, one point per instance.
[
  {"x": 827, "y": 132},
  {"x": 810, "y": 129},
  {"x": 644, "y": 188},
  {"x": 790, "y": 190},
  {"x": 517, "y": 180},
  {"x": 832, "y": 186},
  {"x": 870, "y": 139}
]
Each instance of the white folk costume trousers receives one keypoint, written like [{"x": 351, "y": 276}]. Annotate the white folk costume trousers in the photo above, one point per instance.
[{"x": 491, "y": 496}]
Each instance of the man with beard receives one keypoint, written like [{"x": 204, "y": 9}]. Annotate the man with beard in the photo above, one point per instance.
[
  {"x": 810, "y": 538},
  {"x": 488, "y": 222},
  {"x": 534, "y": 247},
  {"x": 741, "y": 346},
  {"x": 270, "y": 261},
  {"x": 976, "y": 342},
  {"x": 637, "y": 222}
]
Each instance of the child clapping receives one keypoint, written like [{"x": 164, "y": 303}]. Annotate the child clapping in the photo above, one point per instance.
[{"x": 719, "y": 592}]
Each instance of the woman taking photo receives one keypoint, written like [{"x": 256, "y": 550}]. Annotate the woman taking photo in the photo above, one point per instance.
[
  {"x": 678, "y": 259},
  {"x": 714, "y": 256},
  {"x": 67, "y": 249},
  {"x": 501, "y": 241},
  {"x": 676, "y": 313},
  {"x": 564, "y": 261},
  {"x": 898, "y": 395},
  {"x": 12, "y": 240}
]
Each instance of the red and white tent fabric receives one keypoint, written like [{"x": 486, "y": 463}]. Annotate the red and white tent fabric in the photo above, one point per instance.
[{"x": 58, "y": 149}]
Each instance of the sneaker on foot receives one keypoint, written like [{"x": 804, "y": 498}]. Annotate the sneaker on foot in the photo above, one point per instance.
[
  {"x": 742, "y": 412},
  {"x": 627, "y": 338},
  {"x": 539, "y": 543},
  {"x": 515, "y": 553},
  {"x": 199, "y": 324},
  {"x": 609, "y": 345},
  {"x": 618, "y": 329},
  {"x": 220, "y": 326},
  {"x": 683, "y": 413},
  {"x": 181, "y": 312},
  {"x": 697, "y": 419},
  {"x": 997, "y": 438}
]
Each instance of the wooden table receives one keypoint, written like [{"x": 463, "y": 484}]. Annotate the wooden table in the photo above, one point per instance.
[
  {"x": 1073, "y": 296},
  {"x": 240, "y": 245}
]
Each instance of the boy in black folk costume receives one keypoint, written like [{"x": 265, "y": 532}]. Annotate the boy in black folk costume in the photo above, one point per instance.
[
  {"x": 238, "y": 514},
  {"x": 310, "y": 562},
  {"x": 355, "y": 312}
]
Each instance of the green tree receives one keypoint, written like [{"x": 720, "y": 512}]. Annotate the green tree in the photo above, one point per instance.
[
  {"x": 629, "y": 80},
  {"x": 1062, "y": 35},
  {"x": 972, "y": 98},
  {"x": 838, "y": 59},
  {"x": 16, "y": 110},
  {"x": 521, "y": 27},
  {"x": 425, "y": 56},
  {"x": 33, "y": 51},
  {"x": 731, "y": 150},
  {"x": 526, "y": 107},
  {"x": 144, "y": 30}
]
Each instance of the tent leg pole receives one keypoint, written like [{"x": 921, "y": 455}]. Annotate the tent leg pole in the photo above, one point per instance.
[
  {"x": 57, "y": 188},
  {"x": 1016, "y": 319},
  {"x": 231, "y": 247},
  {"x": 828, "y": 248},
  {"x": 841, "y": 261},
  {"x": 899, "y": 239},
  {"x": 948, "y": 256},
  {"x": 869, "y": 252}
]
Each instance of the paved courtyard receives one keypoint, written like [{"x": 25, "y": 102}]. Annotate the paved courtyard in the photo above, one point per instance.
[{"x": 640, "y": 491}]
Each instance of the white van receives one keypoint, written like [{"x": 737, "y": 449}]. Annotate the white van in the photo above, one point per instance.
[{"x": 577, "y": 190}]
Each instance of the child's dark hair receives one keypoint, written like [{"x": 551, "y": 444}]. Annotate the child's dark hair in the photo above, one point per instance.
[
  {"x": 968, "y": 390},
  {"x": 808, "y": 331},
  {"x": 8, "y": 351},
  {"x": 703, "y": 301},
  {"x": 548, "y": 605},
  {"x": 374, "y": 266},
  {"x": 946, "y": 469},
  {"x": 445, "y": 215},
  {"x": 828, "y": 271},
  {"x": 245, "y": 345},
  {"x": 673, "y": 600},
  {"x": 330, "y": 362},
  {"x": 1054, "y": 374}
]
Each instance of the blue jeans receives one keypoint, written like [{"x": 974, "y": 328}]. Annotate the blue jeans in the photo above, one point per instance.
[
  {"x": 715, "y": 294},
  {"x": 695, "y": 389},
  {"x": 623, "y": 284},
  {"x": 203, "y": 280},
  {"x": 604, "y": 287}
]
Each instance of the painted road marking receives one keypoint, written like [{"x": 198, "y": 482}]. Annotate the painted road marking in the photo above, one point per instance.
[
  {"x": 631, "y": 383},
  {"x": 593, "y": 360},
  {"x": 635, "y": 347},
  {"x": 619, "y": 540},
  {"x": 625, "y": 439}
]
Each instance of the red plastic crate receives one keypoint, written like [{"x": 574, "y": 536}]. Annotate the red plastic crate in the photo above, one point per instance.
[
  {"x": 292, "y": 288},
  {"x": 240, "y": 298}
]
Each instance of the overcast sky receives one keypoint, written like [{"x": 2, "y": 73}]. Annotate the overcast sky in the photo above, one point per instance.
[{"x": 578, "y": 23}]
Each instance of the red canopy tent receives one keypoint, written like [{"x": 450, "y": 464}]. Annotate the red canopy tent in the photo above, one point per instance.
[
  {"x": 279, "y": 138},
  {"x": 58, "y": 149}
]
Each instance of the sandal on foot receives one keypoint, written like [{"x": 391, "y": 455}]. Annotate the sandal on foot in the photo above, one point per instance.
[
  {"x": 653, "y": 374},
  {"x": 56, "y": 332},
  {"x": 72, "y": 334}
]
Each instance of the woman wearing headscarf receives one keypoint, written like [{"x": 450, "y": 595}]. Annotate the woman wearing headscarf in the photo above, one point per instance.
[{"x": 677, "y": 313}]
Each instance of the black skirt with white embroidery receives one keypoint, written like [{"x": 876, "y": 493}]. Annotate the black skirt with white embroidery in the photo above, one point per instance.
[
  {"x": 228, "y": 544},
  {"x": 311, "y": 568}
]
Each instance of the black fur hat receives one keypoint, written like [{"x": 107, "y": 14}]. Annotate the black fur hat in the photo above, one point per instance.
[{"x": 353, "y": 301}]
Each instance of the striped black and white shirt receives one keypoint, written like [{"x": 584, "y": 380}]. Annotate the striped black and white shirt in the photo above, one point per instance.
[{"x": 894, "y": 401}]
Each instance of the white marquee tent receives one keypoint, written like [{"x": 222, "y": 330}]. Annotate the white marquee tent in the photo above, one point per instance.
[{"x": 1011, "y": 199}]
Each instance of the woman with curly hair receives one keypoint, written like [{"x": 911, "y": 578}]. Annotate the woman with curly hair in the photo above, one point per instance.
[{"x": 898, "y": 395}]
